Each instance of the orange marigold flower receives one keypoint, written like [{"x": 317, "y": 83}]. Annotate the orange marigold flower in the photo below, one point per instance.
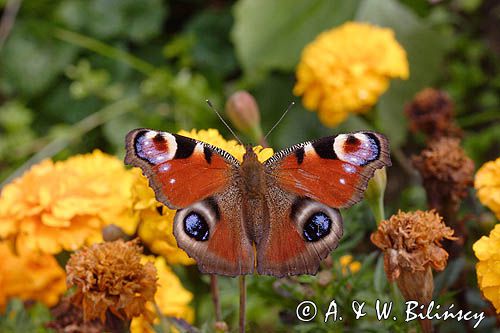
[
  {"x": 156, "y": 220},
  {"x": 110, "y": 277},
  {"x": 61, "y": 205},
  {"x": 29, "y": 276},
  {"x": 487, "y": 250},
  {"x": 487, "y": 184},
  {"x": 346, "y": 69},
  {"x": 171, "y": 298}
]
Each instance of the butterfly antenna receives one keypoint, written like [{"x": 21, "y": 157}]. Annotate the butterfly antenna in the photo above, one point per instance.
[
  {"x": 223, "y": 121},
  {"x": 279, "y": 120}
]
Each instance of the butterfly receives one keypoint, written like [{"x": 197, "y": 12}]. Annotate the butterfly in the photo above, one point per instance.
[{"x": 280, "y": 217}]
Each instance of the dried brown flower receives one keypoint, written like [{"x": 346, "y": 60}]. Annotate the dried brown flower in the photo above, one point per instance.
[
  {"x": 110, "y": 277},
  {"x": 411, "y": 242},
  {"x": 411, "y": 246},
  {"x": 68, "y": 318},
  {"x": 446, "y": 171},
  {"x": 431, "y": 112}
]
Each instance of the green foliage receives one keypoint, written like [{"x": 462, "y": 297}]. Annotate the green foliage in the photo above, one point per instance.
[
  {"x": 266, "y": 40},
  {"x": 19, "y": 317}
]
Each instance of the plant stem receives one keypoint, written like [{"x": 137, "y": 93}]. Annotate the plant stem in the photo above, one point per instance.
[
  {"x": 214, "y": 288},
  {"x": 104, "y": 50},
  {"x": 243, "y": 300},
  {"x": 8, "y": 19},
  {"x": 165, "y": 325},
  {"x": 404, "y": 162},
  {"x": 378, "y": 209}
]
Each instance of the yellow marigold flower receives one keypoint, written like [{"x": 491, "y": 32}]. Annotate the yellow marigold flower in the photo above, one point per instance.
[
  {"x": 346, "y": 69},
  {"x": 487, "y": 184},
  {"x": 348, "y": 265},
  {"x": 213, "y": 137},
  {"x": 61, "y": 205},
  {"x": 110, "y": 277},
  {"x": 156, "y": 220},
  {"x": 171, "y": 297},
  {"x": 29, "y": 276},
  {"x": 487, "y": 250}
]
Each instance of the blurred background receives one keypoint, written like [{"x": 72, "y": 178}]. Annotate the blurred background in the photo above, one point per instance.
[{"x": 76, "y": 75}]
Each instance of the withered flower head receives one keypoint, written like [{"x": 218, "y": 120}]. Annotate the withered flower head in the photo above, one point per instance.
[
  {"x": 411, "y": 242},
  {"x": 110, "y": 276},
  {"x": 68, "y": 318},
  {"x": 431, "y": 112},
  {"x": 411, "y": 246},
  {"x": 446, "y": 171}
]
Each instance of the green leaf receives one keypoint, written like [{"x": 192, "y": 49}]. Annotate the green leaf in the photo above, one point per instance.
[
  {"x": 32, "y": 59},
  {"x": 107, "y": 19},
  {"x": 425, "y": 48},
  {"x": 271, "y": 34},
  {"x": 379, "y": 278},
  {"x": 212, "y": 50}
]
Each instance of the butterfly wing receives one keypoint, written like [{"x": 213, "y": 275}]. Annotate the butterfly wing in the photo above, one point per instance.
[
  {"x": 181, "y": 170},
  {"x": 200, "y": 181},
  {"x": 333, "y": 170},
  {"x": 301, "y": 233},
  {"x": 309, "y": 182}
]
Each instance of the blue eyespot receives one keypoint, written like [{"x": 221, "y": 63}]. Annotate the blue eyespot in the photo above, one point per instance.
[
  {"x": 317, "y": 227},
  {"x": 196, "y": 227}
]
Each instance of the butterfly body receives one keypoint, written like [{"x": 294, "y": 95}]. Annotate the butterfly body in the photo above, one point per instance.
[{"x": 278, "y": 218}]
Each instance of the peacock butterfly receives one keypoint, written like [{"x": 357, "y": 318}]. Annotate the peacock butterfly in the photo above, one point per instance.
[{"x": 279, "y": 217}]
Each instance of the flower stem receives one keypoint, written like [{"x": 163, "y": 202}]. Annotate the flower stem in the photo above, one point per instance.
[
  {"x": 243, "y": 300},
  {"x": 104, "y": 50},
  {"x": 8, "y": 19},
  {"x": 165, "y": 325},
  {"x": 214, "y": 288},
  {"x": 378, "y": 210}
]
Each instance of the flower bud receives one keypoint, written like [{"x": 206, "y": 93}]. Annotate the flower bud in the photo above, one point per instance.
[
  {"x": 112, "y": 232},
  {"x": 221, "y": 327},
  {"x": 243, "y": 111},
  {"x": 375, "y": 194}
]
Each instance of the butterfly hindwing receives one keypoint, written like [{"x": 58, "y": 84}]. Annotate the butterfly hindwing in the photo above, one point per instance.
[
  {"x": 213, "y": 233},
  {"x": 301, "y": 233}
]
